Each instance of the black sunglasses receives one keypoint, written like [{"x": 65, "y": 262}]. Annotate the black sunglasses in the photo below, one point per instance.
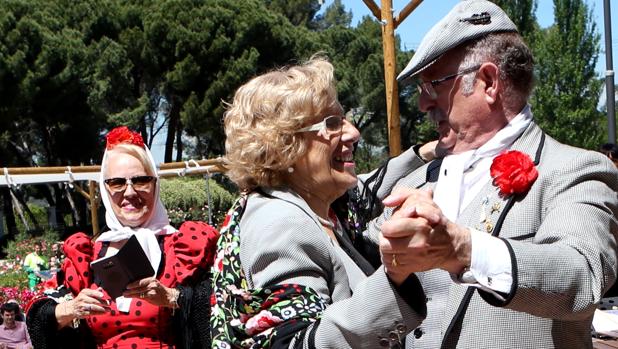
[{"x": 139, "y": 183}]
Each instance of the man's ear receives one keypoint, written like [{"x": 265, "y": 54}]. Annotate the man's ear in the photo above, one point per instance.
[{"x": 489, "y": 74}]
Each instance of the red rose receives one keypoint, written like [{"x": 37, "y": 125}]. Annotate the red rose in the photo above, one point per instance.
[
  {"x": 122, "y": 134},
  {"x": 513, "y": 172}
]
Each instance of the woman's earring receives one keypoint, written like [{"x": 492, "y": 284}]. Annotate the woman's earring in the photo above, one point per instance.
[{"x": 290, "y": 169}]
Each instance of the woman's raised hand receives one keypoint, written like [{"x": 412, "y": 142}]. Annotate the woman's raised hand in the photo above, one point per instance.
[
  {"x": 153, "y": 291},
  {"x": 88, "y": 302}
]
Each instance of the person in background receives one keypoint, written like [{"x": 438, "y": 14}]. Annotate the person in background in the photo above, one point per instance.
[
  {"x": 34, "y": 264},
  {"x": 56, "y": 250},
  {"x": 289, "y": 149},
  {"x": 524, "y": 244},
  {"x": 56, "y": 259},
  {"x": 611, "y": 151},
  {"x": 166, "y": 310},
  {"x": 13, "y": 334}
]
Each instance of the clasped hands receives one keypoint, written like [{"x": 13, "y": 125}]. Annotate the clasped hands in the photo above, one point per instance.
[{"x": 418, "y": 237}]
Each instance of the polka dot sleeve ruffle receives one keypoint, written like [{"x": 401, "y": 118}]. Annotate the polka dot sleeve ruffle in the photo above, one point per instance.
[
  {"x": 78, "y": 250},
  {"x": 194, "y": 248}
]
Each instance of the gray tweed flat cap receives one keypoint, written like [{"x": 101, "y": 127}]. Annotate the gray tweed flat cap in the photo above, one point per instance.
[{"x": 469, "y": 19}]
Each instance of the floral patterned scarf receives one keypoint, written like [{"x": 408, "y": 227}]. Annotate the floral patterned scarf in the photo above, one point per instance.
[{"x": 259, "y": 317}]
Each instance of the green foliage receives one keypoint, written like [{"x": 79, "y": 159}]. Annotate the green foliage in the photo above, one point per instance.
[
  {"x": 567, "y": 91},
  {"x": 298, "y": 12},
  {"x": 334, "y": 15},
  {"x": 197, "y": 54},
  {"x": 14, "y": 278},
  {"x": 368, "y": 157},
  {"x": 359, "y": 67},
  {"x": 522, "y": 12},
  {"x": 40, "y": 214},
  {"x": 43, "y": 69},
  {"x": 187, "y": 199},
  {"x": 23, "y": 243},
  {"x": 69, "y": 70}
]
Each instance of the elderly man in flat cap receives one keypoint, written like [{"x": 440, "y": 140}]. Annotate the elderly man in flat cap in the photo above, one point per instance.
[{"x": 515, "y": 232}]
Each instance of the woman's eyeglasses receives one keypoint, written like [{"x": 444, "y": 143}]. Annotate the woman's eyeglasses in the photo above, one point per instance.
[
  {"x": 331, "y": 124},
  {"x": 139, "y": 183}
]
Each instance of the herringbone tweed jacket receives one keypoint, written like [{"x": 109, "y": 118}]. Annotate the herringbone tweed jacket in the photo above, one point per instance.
[{"x": 561, "y": 236}]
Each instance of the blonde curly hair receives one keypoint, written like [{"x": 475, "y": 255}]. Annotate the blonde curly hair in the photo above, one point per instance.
[{"x": 261, "y": 123}]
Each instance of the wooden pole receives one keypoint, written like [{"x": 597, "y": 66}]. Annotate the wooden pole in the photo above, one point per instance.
[
  {"x": 374, "y": 9},
  {"x": 79, "y": 189},
  {"x": 390, "y": 65},
  {"x": 49, "y": 170},
  {"x": 218, "y": 163},
  {"x": 94, "y": 206},
  {"x": 411, "y": 6},
  {"x": 389, "y": 24},
  {"x": 177, "y": 165}
]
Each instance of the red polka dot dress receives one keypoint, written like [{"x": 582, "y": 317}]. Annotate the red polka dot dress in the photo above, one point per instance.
[{"x": 145, "y": 325}]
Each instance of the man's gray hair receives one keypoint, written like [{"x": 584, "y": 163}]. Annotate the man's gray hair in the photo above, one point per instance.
[{"x": 514, "y": 60}]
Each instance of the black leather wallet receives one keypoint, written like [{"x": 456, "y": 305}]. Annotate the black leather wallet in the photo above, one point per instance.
[{"x": 128, "y": 265}]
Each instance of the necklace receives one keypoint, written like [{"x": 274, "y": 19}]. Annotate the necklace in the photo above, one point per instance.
[{"x": 326, "y": 222}]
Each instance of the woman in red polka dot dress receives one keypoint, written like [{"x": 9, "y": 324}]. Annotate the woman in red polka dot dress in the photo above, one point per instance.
[{"x": 168, "y": 310}]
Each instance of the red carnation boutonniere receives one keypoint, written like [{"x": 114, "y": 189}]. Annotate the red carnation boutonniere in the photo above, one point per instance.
[
  {"x": 122, "y": 134},
  {"x": 513, "y": 172}
]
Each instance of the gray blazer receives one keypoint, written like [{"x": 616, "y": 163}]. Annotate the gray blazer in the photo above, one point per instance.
[
  {"x": 397, "y": 168},
  {"x": 283, "y": 242},
  {"x": 561, "y": 236}
]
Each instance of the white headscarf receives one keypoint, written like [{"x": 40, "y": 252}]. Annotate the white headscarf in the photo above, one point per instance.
[{"x": 157, "y": 224}]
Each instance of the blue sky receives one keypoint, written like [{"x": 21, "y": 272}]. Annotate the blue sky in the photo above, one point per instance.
[{"x": 429, "y": 12}]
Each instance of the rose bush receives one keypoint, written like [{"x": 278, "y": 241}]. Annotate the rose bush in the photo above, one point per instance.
[
  {"x": 13, "y": 277},
  {"x": 186, "y": 199}
]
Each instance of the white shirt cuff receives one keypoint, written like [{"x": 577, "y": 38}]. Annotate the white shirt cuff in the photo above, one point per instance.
[{"x": 490, "y": 268}]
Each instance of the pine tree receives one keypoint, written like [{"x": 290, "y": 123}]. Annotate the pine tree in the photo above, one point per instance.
[{"x": 567, "y": 91}]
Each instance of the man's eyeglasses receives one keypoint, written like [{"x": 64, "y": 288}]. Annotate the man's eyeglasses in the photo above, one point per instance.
[
  {"x": 428, "y": 86},
  {"x": 330, "y": 124},
  {"x": 139, "y": 183}
]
